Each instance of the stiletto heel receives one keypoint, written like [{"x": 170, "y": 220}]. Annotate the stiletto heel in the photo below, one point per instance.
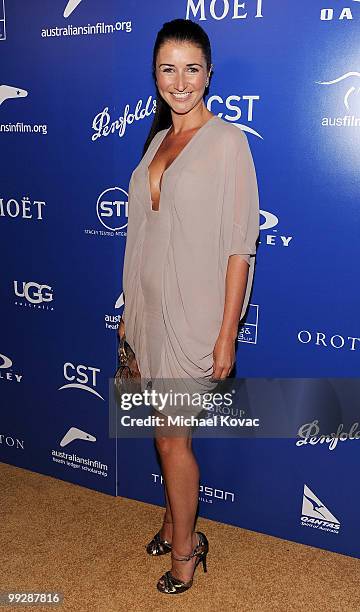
[
  {"x": 169, "y": 584},
  {"x": 204, "y": 562}
]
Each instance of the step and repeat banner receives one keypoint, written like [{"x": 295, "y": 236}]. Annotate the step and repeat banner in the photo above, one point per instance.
[{"x": 76, "y": 104}]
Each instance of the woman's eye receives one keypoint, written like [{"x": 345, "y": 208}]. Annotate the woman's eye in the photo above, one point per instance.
[{"x": 191, "y": 69}]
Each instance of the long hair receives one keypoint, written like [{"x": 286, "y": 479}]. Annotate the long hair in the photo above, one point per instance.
[{"x": 177, "y": 30}]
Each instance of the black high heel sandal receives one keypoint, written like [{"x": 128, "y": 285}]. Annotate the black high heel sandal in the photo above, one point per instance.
[
  {"x": 169, "y": 584},
  {"x": 158, "y": 546}
]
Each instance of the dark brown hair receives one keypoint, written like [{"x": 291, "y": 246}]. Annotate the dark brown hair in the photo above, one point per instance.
[{"x": 177, "y": 30}]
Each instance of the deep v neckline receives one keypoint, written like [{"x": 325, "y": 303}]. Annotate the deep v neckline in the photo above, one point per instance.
[{"x": 156, "y": 210}]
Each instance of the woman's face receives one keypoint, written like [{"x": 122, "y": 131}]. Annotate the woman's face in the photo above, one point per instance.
[{"x": 181, "y": 74}]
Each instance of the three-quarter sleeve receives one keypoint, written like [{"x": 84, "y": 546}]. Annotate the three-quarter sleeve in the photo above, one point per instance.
[
  {"x": 136, "y": 216},
  {"x": 245, "y": 202}
]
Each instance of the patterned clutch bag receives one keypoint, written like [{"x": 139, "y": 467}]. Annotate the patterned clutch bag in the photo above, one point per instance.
[{"x": 127, "y": 376}]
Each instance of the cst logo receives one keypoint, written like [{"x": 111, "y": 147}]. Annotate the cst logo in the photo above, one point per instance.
[
  {"x": 32, "y": 292},
  {"x": 112, "y": 208},
  {"x": 239, "y": 107},
  {"x": 81, "y": 377}
]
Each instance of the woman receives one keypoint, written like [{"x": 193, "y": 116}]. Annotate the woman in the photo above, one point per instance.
[{"x": 188, "y": 267}]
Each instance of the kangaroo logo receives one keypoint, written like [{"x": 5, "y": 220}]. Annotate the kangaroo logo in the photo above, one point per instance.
[
  {"x": 343, "y": 77},
  {"x": 7, "y": 92},
  {"x": 313, "y": 507},
  {"x": 70, "y": 7}
]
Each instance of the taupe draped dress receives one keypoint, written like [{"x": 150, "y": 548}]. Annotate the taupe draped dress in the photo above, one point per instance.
[{"x": 176, "y": 257}]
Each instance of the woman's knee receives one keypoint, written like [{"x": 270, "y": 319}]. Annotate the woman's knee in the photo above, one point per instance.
[{"x": 168, "y": 444}]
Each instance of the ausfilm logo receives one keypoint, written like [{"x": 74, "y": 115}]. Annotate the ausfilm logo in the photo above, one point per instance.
[
  {"x": 112, "y": 321},
  {"x": 87, "y": 29},
  {"x": 23, "y": 209},
  {"x": 83, "y": 377},
  {"x": 71, "y": 460},
  {"x": 104, "y": 125},
  {"x": 112, "y": 212},
  {"x": 328, "y": 341},
  {"x": 223, "y": 9},
  {"x": 6, "y": 370},
  {"x": 207, "y": 494},
  {"x": 346, "y": 85},
  {"x": 33, "y": 294},
  {"x": 341, "y": 13},
  {"x": 316, "y": 515}
]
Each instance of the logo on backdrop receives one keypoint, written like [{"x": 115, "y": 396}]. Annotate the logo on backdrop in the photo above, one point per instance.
[
  {"x": 238, "y": 106},
  {"x": 336, "y": 341},
  {"x": 70, "y": 7},
  {"x": 81, "y": 377},
  {"x": 207, "y": 494},
  {"x": 340, "y": 14},
  {"x": 35, "y": 295},
  {"x": 248, "y": 331},
  {"x": 308, "y": 432},
  {"x": 103, "y": 125},
  {"x": 24, "y": 209},
  {"x": 8, "y": 92},
  {"x": 316, "y": 515},
  {"x": 2, "y": 20},
  {"x": 348, "y": 85},
  {"x": 112, "y": 212},
  {"x": 76, "y": 434},
  {"x": 11, "y": 442},
  {"x": 74, "y": 461},
  {"x": 98, "y": 28},
  {"x": 271, "y": 238},
  {"x": 6, "y": 370},
  {"x": 218, "y": 10},
  {"x": 112, "y": 321},
  {"x": 112, "y": 208}
]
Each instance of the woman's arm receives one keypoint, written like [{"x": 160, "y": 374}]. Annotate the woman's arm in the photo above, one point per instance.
[
  {"x": 235, "y": 285},
  {"x": 242, "y": 208}
]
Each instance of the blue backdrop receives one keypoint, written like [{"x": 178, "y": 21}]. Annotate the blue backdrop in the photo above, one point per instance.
[{"x": 77, "y": 101}]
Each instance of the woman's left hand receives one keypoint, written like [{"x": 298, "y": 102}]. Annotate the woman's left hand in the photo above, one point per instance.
[{"x": 224, "y": 357}]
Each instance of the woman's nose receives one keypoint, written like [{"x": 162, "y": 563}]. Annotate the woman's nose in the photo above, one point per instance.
[{"x": 180, "y": 82}]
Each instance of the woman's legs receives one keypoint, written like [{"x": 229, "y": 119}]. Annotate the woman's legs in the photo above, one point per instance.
[
  {"x": 181, "y": 475},
  {"x": 166, "y": 530}
]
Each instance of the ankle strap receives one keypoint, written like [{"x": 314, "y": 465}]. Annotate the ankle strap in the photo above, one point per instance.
[{"x": 188, "y": 557}]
